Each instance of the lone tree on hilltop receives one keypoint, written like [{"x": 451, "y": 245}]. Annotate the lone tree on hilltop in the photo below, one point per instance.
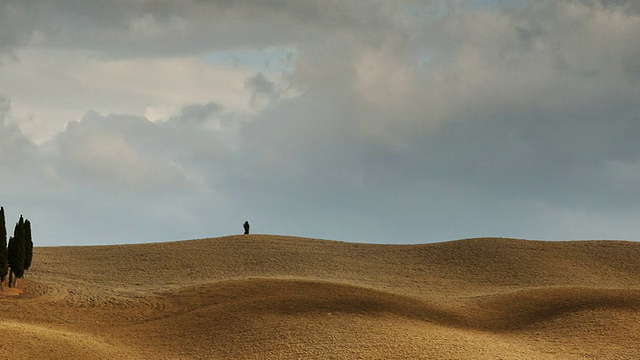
[
  {"x": 4, "y": 260},
  {"x": 246, "y": 227},
  {"x": 17, "y": 252}
]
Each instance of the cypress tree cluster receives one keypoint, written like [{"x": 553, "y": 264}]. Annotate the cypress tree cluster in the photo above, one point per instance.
[{"x": 18, "y": 253}]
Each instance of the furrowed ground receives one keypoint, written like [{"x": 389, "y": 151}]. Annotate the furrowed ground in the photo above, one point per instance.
[{"x": 279, "y": 297}]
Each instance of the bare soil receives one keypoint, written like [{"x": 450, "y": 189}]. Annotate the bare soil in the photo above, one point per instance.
[{"x": 279, "y": 297}]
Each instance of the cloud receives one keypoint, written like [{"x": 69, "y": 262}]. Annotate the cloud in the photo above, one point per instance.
[
  {"x": 5, "y": 106},
  {"x": 632, "y": 66},
  {"x": 510, "y": 105},
  {"x": 15, "y": 148},
  {"x": 127, "y": 170},
  {"x": 61, "y": 89},
  {"x": 197, "y": 113},
  {"x": 130, "y": 154},
  {"x": 624, "y": 5},
  {"x": 165, "y": 28},
  {"x": 106, "y": 152},
  {"x": 397, "y": 122},
  {"x": 264, "y": 91}
]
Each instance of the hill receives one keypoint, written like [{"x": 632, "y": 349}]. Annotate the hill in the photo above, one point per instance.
[{"x": 275, "y": 297}]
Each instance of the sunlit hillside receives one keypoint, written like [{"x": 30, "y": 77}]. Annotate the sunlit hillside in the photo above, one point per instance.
[{"x": 279, "y": 297}]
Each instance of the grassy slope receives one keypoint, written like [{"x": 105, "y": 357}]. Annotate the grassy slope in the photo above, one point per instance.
[{"x": 260, "y": 296}]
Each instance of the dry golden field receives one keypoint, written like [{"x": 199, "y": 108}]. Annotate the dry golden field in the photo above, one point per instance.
[{"x": 278, "y": 297}]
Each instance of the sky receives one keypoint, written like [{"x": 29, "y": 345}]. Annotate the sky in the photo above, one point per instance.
[{"x": 134, "y": 121}]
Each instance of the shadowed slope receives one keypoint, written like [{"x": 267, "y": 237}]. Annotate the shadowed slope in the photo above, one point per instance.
[
  {"x": 260, "y": 296},
  {"x": 293, "y": 318}
]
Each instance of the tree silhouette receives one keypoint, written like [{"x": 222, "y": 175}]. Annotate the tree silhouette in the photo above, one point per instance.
[
  {"x": 28, "y": 245},
  {"x": 4, "y": 260},
  {"x": 17, "y": 252}
]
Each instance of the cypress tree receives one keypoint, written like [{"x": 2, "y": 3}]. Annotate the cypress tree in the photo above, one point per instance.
[
  {"x": 28, "y": 245},
  {"x": 17, "y": 252},
  {"x": 4, "y": 260},
  {"x": 11, "y": 249}
]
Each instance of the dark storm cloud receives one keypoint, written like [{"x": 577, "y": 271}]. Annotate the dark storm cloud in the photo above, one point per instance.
[
  {"x": 168, "y": 28},
  {"x": 196, "y": 113},
  {"x": 523, "y": 115},
  {"x": 260, "y": 84},
  {"x": 626, "y": 4}
]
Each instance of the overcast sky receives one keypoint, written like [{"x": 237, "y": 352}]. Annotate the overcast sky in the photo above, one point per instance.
[{"x": 363, "y": 121}]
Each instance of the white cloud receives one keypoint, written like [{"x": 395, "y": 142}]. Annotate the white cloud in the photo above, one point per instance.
[
  {"x": 53, "y": 87},
  {"x": 106, "y": 152}
]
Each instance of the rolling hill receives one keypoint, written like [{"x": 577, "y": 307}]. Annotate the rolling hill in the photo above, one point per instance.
[{"x": 279, "y": 297}]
